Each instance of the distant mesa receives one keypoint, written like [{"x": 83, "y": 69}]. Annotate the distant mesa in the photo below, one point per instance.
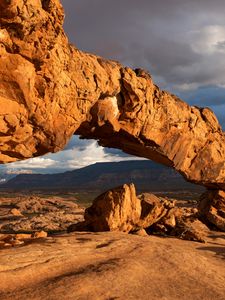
[{"x": 145, "y": 174}]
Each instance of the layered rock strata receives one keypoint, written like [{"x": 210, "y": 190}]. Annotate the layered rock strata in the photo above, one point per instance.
[{"x": 49, "y": 90}]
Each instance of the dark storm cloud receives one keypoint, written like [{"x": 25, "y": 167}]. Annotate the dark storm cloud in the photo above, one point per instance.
[
  {"x": 180, "y": 42},
  {"x": 209, "y": 95},
  {"x": 116, "y": 152}
]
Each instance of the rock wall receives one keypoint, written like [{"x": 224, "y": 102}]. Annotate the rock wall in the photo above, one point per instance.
[{"x": 49, "y": 90}]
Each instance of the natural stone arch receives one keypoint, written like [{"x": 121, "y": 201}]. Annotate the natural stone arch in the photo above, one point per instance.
[{"x": 49, "y": 91}]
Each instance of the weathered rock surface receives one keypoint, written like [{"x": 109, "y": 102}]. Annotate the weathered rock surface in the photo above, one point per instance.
[
  {"x": 212, "y": 208},
  {"x": 32, "y": 213},
  {"x": 49, "y": 90},
  {"x": 14, "y": 240},
  {"x": 116, "y": 210},
  {"x": 153, "y": 209},
  {"x": 120, "y": 209},
  {"x": 113, "y": 266}
]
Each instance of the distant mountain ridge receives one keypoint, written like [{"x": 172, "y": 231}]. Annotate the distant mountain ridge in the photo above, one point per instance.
[{"x": 145, "y": 174}]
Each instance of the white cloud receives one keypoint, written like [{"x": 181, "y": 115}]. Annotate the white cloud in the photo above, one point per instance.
[
  {"x": 207, "y": 39},
  {"x": 185, "y": 87},
  {"x": 32, "y": 163},
  {"x": 78, "y": 154}
]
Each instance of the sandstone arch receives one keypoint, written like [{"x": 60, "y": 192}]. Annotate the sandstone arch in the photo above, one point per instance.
[{"x": 49, "y": 90}]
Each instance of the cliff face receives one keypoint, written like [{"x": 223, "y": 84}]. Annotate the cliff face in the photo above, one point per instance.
[{"x": 49, "y": 91}]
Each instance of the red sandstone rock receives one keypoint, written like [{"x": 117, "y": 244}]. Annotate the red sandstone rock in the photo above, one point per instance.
[
  {"x": 212, "y": 208},
  {"x": 40, "y": 234},
  {"x": 50, "y": 91},
  {"x": 15, "y": 212},
  {"x": 113, "y": 265},
  {"x": 119, "y": 209},
  {"x": 116, "y": 210},
  {"x": 152, "y": 210},
  {"x": 31, "y": 213}
]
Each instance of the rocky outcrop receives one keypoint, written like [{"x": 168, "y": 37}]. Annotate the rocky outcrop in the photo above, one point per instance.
[
  {"x": 15, "y": 240},
  {"x": 116, "y": 210},
  {"x": 120, "y": 209},
  {"x": 212, "y": 208},
  {"x": 49, "y": 91},
  {"x": 30, "y": 214},
  {"x": 183, "y": 223},
  {"x": 113, "y": 265}
]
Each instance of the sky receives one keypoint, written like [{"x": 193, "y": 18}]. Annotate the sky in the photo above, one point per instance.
[{"x": 180, "y": 42}]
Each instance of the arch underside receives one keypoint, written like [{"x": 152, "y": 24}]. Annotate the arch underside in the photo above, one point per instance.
[{"x": 49, "y": 90}]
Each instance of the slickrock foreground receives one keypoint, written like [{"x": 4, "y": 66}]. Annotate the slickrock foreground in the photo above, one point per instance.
[
  {"x": 113, "y": 266},
  {"x": 49, "y": 91}
]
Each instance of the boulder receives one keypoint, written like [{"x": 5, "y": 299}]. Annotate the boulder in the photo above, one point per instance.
[
  {"x": 115, "y": 210},
  {"x": 152, "y": 210},
  {"x": 40, "y": 234},
  {"x": 120, "y": 209},
  {"x": 212, "y": 208},
  {"x": 15, "y": 212},
  {"x": 191, "y": 228}
]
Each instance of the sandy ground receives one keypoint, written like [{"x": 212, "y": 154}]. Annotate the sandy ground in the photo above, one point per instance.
[{"x": 114, "y": 266}]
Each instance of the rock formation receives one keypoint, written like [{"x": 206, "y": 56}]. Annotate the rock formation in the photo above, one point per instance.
[
  {"x": 113, "y": 266},
  {"x": 212, "y": 208},
  {"x": 120, "y": 209},
  {"x": 14, "y": 240},
  {"x": 49, "y": 91},
  {"x": 30, "y": 214}
]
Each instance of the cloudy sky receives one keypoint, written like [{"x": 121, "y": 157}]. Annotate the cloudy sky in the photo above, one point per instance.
[{"x": 181, "y": 43}]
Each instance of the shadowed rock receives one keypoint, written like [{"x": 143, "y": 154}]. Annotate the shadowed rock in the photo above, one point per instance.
[
  {"x": 212, "y": 208},
  {"x": 49, "y": 91}
]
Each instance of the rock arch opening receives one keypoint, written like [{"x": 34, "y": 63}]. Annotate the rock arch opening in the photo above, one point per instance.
[{"x": 71, "y": 92}]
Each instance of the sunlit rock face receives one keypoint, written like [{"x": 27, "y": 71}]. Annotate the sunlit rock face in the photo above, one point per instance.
[
  {"x": 49, "y": 91},
  {"x": 212, "y": 208}
]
